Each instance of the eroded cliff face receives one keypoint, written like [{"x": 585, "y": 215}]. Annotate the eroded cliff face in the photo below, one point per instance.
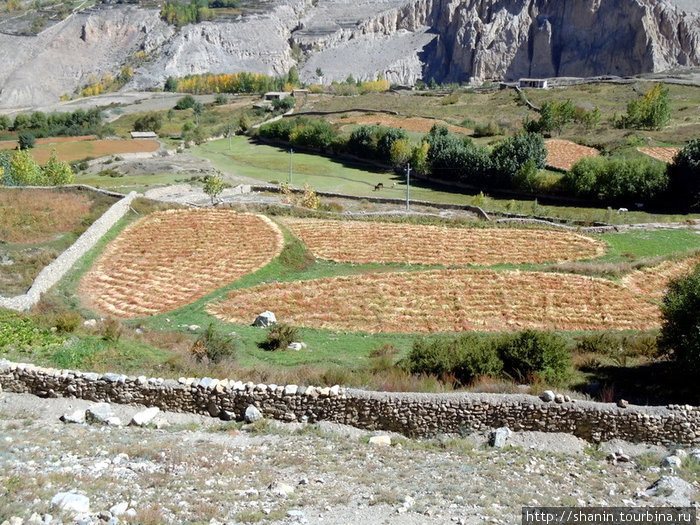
[{"x": 404, "y": 40}]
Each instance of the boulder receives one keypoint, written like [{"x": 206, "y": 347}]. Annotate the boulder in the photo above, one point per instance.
[
  {"x": 672, "y": 462},
  {"x": 265, "y": 319},
  {"x": 99, "y": 413},
  {"x": 547, "y": 396},
  {"x": 252, "y": 414},
  {"x": 145, "y": 417},
  {"x": 380, "y": 441},
  {"x": 499, "y": 436},
  {"x": 75, "y": 417},
  {"x": 71, "y": 502},
  {"x": 672, "y": 491}
]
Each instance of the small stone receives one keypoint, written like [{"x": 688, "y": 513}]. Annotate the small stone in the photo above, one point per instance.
[
  {"x": 381, "y": 441},
  {"x": 623, "y": 403},
  {"x": 193, "y": 327},
  {"x": 161, "y": 422},
  {"x": 499, "y": 437},
  {"x": 294, "y": 346},
  {"x": 225, "y": 415},
  {"x": 567, "y": 399},
  {"x": 265, "y": 319},
  {"x": 144, "y": 417},
  {"x": 681, "y": 454},
  {"x": 75, "y": 417},
  {"x": 334, "y": 390},
  {"x": 252, "y": 414},
  {"x": 294, "y": 513},
  {"x": 559, "y": 398},
  {"x": 213, "y": 409},
  {"x": 290, "y": 390},
  {"x": 547, "y": 396},
  {"x": 113, "y": 421},
  {"x": 71, "y": 502},
  {"x": 99, "y": 413},
  {"x": 90, "y": 323}
]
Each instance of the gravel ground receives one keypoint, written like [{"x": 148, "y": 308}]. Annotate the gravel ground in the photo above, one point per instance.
[{"x": 202, "y": 470}]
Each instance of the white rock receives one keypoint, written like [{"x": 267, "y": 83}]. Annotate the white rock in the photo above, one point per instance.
[
  {"x": 114, "y": 421},
  {"x": 76, "y": 417},
  {"x": 499, "y": 437},
  {"x": 381, "y": 441},
  {"x": 294, "y": 346},
  {"x": 548, "y": 396},
  {"x": 281, "y": 489},
  {"x": 99, "y": 413},
  {"x": 193, "y": 327},
  {"x": 265, "y": 319},
  {"x": 290, "y": 390},
  {"x": 119, "y": 509},
  {"x": 71, "y": 502},
  {"x": 252, "y": 414},
  {"x": 672, "y": 461},
  {"x": 90, "y": 323},
  {"x": 144, "y": 417}
]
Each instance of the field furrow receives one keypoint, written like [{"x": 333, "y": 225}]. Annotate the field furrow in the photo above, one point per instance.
[
  {"x": 653, "y": 282},
  {"x": 365, "y": 242},
  {"x": 169, "y": 259},
  {"x": 445, "y": 300}
]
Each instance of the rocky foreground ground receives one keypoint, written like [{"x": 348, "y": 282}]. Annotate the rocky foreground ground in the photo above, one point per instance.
[{"x": 184, "y": 468}]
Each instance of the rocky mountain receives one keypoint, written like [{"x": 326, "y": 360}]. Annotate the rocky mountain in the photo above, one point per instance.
[{"x": 404, "y": 40}]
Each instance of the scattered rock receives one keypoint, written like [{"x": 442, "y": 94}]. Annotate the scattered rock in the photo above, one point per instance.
[
  {"x": 295, "y": 513},
  {"x": 618, "y": 457},
  {"x": 265, "y": 319},
  {"x": 113, "y": 421},
  {"x": 280, "y": 489},
  {"x": 671, "y": 461},
  {"x": 381, "y": 441},
  {"x": 193, "y": 327},
  {"x": 225, "y": 415},
  {"x": 99, "y": 413},
  {"x": 76, "y": 417},
  {"x": 71, "y": 502},
  {"x": 252, "y": 414},
  {"x": 161, "y": 422},
  {"x": 559, "y": 398},
  {"x": 547, "y": 396},
  {"x": 294, "y": 346},
  {"x": 145, "y": 417},
  {"x": 672, "y": 491},
  {"x": 499, "y": 436},
  {"x": 90, "y": 323},
  {"x": 623, "y": 403},
  {"x": 681, "y": 454},
  {"x": 119, "y": 509},
  {"x": 213, "y": 409}
]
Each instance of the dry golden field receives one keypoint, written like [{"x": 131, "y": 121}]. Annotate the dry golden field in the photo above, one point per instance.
[
  {"x": 418, "y": 124},
  {"x": 445, "y": 301},
  {"x": 169, "y": 259},
  {"x": 653, "y": 282},
  {"x": 563, "y": 154},
  {"x": 662, "y": 154},
  {"x": 383, "y": 242}
]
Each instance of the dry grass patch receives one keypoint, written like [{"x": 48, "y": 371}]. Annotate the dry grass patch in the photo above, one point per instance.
[
  {"x": 446, "y": 300},
  {"x": 69, "y": 149},
  {"x": 171, "y": 258},
  {"x": 364, "y": 242},
  {"x": 31, "y": 216},
  {"x": 662, "y": 154},
  {"x": 418, "y": 124},
  {"x": 653, "y": 282},
  {"x": 563, "y": 154}
]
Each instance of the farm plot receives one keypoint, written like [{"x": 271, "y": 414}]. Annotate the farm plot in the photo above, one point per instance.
[
  {"x": 418, "y": 124},
  {"x": 169, "y": 259},
  {"x": 653, "y": 282},
  {"x": 563, "y": 154},
  {"x": 69, "y": 149},
  {"x": 662, "y": 154},
  {"x": 364, "y": 242},
  {"x": 445, "y": 301}
]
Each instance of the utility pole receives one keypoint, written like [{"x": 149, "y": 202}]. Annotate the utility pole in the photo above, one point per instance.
[
  {"x": 408, "y": 186},
  {"x": 291, "y": 164}
]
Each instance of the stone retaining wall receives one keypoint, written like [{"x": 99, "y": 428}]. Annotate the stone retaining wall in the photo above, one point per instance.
[
  {"x": 53, "y": 273},
  {"x": 421, "y": 415}
]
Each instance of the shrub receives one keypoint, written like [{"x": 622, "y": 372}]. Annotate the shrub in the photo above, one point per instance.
[
  {"x": 489, "y": 129},
  {"x": 149, "y": 122},
  {"x": 111, "y": 330},
  {"x": 279, "y": 337},
  {"x": 509, "y": 155},
  {"x": 680, "y": 331},
  {"x": 26, "y": 140},
  {"x": 185, "y": 102},
  {"x": 535, "y": 353},
  {"x": 283, "y": 104},
  {"x": 67, "y": 322},
  {"x": 213, "y": 345},
  {"x": 684, "y": 174},
  {"x": 479, "y": 357},
  {"x": 651, "y": 111},
  {"x": 382, "y": 358},
  {"x": 432, "y": 356}
]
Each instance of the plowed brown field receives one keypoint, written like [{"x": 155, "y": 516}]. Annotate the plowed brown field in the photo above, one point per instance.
[
  {"x": 563, "y": 154},
  {"x": 653, "y": 282}
]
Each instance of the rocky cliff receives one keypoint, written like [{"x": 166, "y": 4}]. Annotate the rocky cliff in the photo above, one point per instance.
[{"x": 404, "y": 40}]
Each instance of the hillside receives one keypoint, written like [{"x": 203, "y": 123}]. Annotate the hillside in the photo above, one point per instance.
[{"x": 404, "y": 40}]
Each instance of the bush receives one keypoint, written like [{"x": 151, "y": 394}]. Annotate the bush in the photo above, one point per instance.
[
  {"x": 279, "y": 337},
  {"x": 213, "y": 345},
  {"x": 684, "y": 174},
  {"x": 652, "y": 111},
  {"x": 283, "y": 104},
  {"x": 489, "y": 129},
  {"x": 432, "y": 356},
  {"x": 535, "y": 353},
  {"x": 111, "y": 330},
  {"x": 680, "y": 331},
  {"x": 67, "y": 322},
  {"x": 26, "y": 140},
  {"x": 149, "y": 122},
  {"x": 509, "y": 155},
  {"x": 185, "y": 102}
]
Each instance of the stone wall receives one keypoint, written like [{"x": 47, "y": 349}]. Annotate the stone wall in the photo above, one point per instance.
[{"x": 420, "y": 415}]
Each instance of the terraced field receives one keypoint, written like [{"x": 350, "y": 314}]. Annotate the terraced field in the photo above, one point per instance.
[
  {"x": 169, "y": 259},
  {"x": 364, "y": 242},
  {"x": 445, "y": 300},
  {"x": 563, "y": 154},
  {"x": 653, "y": 282}
]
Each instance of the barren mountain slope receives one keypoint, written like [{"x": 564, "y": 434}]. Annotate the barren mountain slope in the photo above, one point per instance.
[{"x": 404, "y": 40}]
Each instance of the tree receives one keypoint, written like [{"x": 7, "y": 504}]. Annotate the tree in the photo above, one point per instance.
[
  {"x": 26, "y": 140},
  {"x": 680, "y": 330},
  {"x": 57, "y": 173},
  {"x": 185, "y": 102},
  {"x": 214, "y": 185},
  {"x": 170, "y": 84},
  {"x": 4, "y": 122},
  {"x": 684, "y": 174},
  {"x": 509, "y": 155},
  {"x": 401, "y": 151},
  {"x": 25, "y": 171},
  {"x": 652, "y": 111},
  {"x": 197, "y": 109},
  {"x": 149, "y": 122}
]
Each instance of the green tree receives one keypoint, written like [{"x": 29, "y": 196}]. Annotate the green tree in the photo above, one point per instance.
[
  {"x": 214, "y": 185},
  {"x": 400, "y": 154},
  {"x": 684, "y": 174},
  {"x": 419, "y": 158},
  {"x": 170, "y": 84},
  {"x": 680, "y": 331},
  {"x": 26, "y": 140},
  {"x": 651, "y": 111},
  {"x": 151, "y": 121},
  {"x": 509, "y": 155},
  {"x": 185, "y": 102},
  {"x": 197, "y": 109},
  {"x": 5, "y": 123},
  {"x": 535, "y": 352},
  {"x": 57, "y": 173}
]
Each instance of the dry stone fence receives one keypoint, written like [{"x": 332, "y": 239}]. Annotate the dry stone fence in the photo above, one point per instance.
[{"x": 418, "y": 415}]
